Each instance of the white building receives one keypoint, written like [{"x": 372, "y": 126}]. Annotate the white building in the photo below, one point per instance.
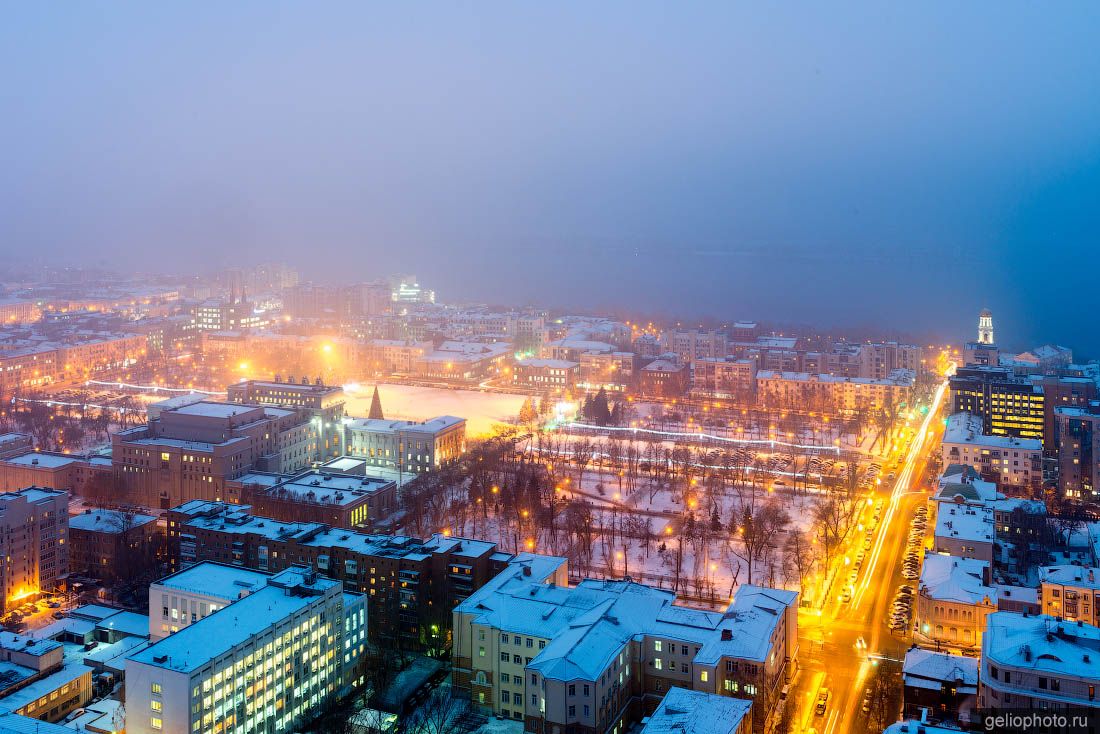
[
  {"x": 1038, "y": 662},
  {"x": 263, "y": 664},
  {"x": 195, "y": 593},
  {"x": 410, "y": 446},
  {"x": 1006, "y": 460}
]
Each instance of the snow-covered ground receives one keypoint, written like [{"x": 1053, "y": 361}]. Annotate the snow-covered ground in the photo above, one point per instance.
[{"x": 482, "y": 410}]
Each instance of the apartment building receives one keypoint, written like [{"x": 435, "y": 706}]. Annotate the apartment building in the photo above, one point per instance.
[
  {"x": 34, "y": 540},
  {"x": 691, "y": 344},
  {"x": 408, "y": 446},
  {"x": 938, "y": 686},
  {"x": 599, "y": 656},
  {"x": 324, "y": 405},
  {"x": 610, "y": 371},
  {"x": 724, "y": 378},
  {"x": 831, "y": 392},
  {"x": 1078, "y": 450},
  {"x": 662, "y": 378},
  {"x": 965, "y": 531},
  {"x": 1012, "y": 463},
  {"x": 411, "y": 584},
  {"x": 953, "y": 601},
  {"x": 339, "y": 493},
  {"x": 108, "y": 544},
  {"x": 545, "y": 375},
  {"x": 266, "y": 663},
  {"x": 1071, "y": 593},
  {"x": 1038, "y": 662},
  {"x": 52, "y": 470},
  {"x": 684, "y": 711},
  {"x": 190, "y": 452}
]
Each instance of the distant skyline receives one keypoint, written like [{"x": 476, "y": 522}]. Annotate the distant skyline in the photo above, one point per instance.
[{"x": 899, "y": 166}]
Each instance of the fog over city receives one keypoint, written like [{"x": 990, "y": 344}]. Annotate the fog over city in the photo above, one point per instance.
[{"x": 854, "y": 165}]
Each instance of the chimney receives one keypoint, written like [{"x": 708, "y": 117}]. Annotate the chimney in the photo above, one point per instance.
[
  {"x": 526, "y": 570},
  {"x": 727, "y": 635}
]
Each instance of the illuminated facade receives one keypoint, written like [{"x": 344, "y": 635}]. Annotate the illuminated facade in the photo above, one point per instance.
[
  {"x": 1007, "y": 405},
  {"x": 34, "y": 529},
  {"x": 985, "y": 327},
  {"x": 408, "y": 446},
  {"x": 1078, "y": 450},
  {"x": 265, "y": 663},
  {"x": 322, "y": 404}
]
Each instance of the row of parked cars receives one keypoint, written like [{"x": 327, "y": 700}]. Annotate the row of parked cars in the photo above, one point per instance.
[
  {"x": 910, "y": 566},
  {"x": 13, "y": 621}
]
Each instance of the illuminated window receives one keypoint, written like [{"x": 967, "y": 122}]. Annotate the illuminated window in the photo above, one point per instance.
[{"x": 155, "y": 722}]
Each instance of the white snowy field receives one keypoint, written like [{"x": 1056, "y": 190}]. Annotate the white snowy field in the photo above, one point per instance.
[{"x": 482, "y": 410}]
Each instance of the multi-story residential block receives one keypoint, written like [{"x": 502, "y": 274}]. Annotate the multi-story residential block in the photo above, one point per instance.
[
  {"x": 1078, "y": 450},
  {"x": 34, "y": 541},
  {"x": 1010, "y": 462},
  {"x": 191, "y": 452},
  {"x": 15, "y": 444},
  {"x": 545, "y": 375},
  {"x": 385, "y": 356},
  {"x": 324, "y": 405},
  {"x": 1007, "y": 405},
  {"x": 1062, "y": 391},
  {"x": 878, "y": 360},
  {"x": 411, "y": 584},
  {"x": 953, "y": 600},
  {"x": 407, "y": 446},
  {"x": 725, "y": 378},
  {"x": 268, "y": 662},
  {"x": 1038, "y": 662},
  {"x": 662, "y": 378},
  {"x": 217, "y": 315},
  {"x": 692, "y": 344},
  {"x": 833, "y": 393},
  {"x": 340, "y": 493},
  {"x": 1071, "y": 593},
  {"x": 109, "y": 544},
  {"x": 597, "y": 656},
  {"x": 965, "y": 531},
  {"x": 610, "y": 371}
]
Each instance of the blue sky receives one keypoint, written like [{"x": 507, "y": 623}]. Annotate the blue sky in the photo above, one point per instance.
[{"x": 857, "y": 163}]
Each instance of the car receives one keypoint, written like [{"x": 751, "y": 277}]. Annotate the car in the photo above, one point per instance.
[
  {"x": 867, "y": 544},
  {"x": 846, "y": 596},
  {"x": 822, "y": 701},
  {"x": 852, "y": 577},
  {"x": 865, "y": 707},
  {"x": 58, "y": 615},
  {"x": 54, "y": 605}
]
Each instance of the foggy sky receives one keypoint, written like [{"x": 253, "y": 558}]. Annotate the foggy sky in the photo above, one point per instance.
[{"x": 895, "y": 163}]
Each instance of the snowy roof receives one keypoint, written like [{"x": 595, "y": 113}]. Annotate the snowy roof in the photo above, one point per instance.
[
  {"x": 949, "y": 578},
  {"x": 27, "y": 644},
  {"x": 964, "y": 428},
  {"x": 897, "y": 378},
  {"x": 94, "y": 612},
  {"x": 48, "y": 461},
  {"x": 17, "y": 724},
  {"x": 200, "y": 642},
  {"x": 1043, "y": 644},
  {"x": 324, "y": 487},
  {"x": 214, "y": 579},
  {"x": 563, "y": 364},
  {"x": 127, "y": 623},
  {"x": 914, "y": 726},
  {"x": 108, "y": 521},
  {"x": 1069, "y": 575},
  {"x": 662, "y": 365},
  {"x": 380, "y": 425},
  {"x": 44, "y": 686},
  {"x": 683, "y": 711},
  {"x": 964, "y": 522},
  {"x": 750, "y": 618},
  {"x": 927, "y": 669},
  {"x": 211, "y": 409}
]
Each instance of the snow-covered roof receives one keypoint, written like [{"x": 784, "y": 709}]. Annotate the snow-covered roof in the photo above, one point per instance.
[
  {"x": 1043, "y": 644},
  {"x": 563, "y": 364},
  {"x": 108, "y": 521},
  {"x": 966, "y": 429},
  {"x": 949, "y": 578},
  {"x": 381, "y": 425},
  {"x": 928, "y": 669},
  {"x": 1070, "y": 575},
  {"x": 44, "y": 686},
  {"x": 200, "y": 642},
  {"x": 17, "y": 724},
  {"x": 215, "y": 579},
  {"x": 684, "y": 711},
  {"x": 211, "y": 409},
  {"x": 48, "y": 461},
  {"x": 964, "y": 522}
]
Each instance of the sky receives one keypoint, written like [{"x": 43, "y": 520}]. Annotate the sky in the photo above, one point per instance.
[{"x": 897, "y": 165}]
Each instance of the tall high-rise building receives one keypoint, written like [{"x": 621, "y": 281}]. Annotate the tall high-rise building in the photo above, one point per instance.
[
  {"x": 34, "y": 525},
  {"x": 985, "y": 327}
]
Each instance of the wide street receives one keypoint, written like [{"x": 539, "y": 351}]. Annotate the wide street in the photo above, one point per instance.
[{"x": 840, "y": 647}]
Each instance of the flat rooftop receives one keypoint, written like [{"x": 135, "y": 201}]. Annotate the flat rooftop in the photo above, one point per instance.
[
  {"x": 215, "y": 579},
  {"x": 108, "y": 521}
]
